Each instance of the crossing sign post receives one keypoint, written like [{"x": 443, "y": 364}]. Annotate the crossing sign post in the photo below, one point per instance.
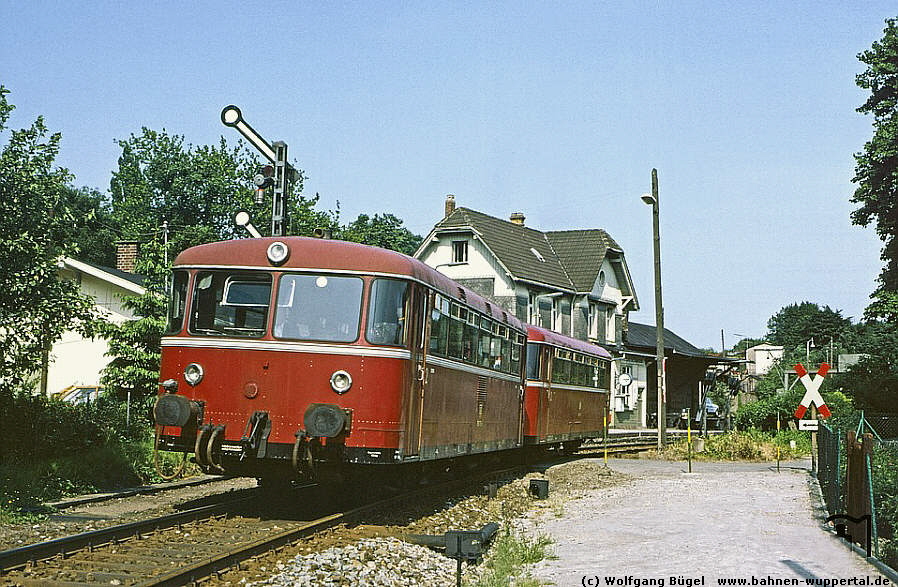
[{"x": 814, "y": 401}]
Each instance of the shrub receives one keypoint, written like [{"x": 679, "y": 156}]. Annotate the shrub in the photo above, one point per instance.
[
  {"x": 53, "y": 449},
  {"x": 762, "y": 414},
  {"x": 747, "y": 445}
]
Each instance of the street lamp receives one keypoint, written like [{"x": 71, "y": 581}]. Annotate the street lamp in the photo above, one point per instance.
[{"x": 652, "y": 200}]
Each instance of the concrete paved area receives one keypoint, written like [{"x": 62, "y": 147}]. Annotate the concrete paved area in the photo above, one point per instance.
[{"x": 724, "y": 521}]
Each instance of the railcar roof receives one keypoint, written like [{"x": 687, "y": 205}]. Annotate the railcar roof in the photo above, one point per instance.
[
  {"x": 537, "y": 334},
  {"x": 335, "y": 255}
]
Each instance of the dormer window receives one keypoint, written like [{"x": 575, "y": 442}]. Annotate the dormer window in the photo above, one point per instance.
[
  {"x": 459, "y": 251},
  {"x": 537, "y": 255}
]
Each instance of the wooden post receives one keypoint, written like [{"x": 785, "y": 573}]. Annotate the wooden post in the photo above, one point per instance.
[{"x": 857, "y": 494}]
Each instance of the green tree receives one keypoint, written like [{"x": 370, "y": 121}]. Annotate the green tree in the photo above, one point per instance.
[
  {"x": 197, "y": 190},
  {"x": 873, "y": 382},
  {"x": 745, "y": 344},
  {"x": 93, "y": 227},
  {"x": 385, "y": 231},
  {"x": 134, "y": 345},
  {"x": 36, "y": 307},
  {"x": 876, "y": 169},
  {"x": 794, "y": 325}
]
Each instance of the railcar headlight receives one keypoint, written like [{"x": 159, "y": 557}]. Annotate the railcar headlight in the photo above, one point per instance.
[
  {"x": 341, "y": 381},
  {"x": 193, "y": 373},
  {"x": 278, "y": 252}
]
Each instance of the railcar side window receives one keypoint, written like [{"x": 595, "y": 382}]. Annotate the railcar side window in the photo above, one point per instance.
[
  {"x": 178, "y": 302},
  {"x": 561, "y": 368},
  {"x": 603, "y": 375},
  {"x": 386, "y": 312},
  {"x": 230, "y": 304},
  {"x": 439, "y": 326},
  {"x": 533, "y": 361},
  {"x": 516, "y": 348},
  {"x": 484, "y": 348},
  {"x": 456, "y": 331},
  {"x": 318, "y": 307}
]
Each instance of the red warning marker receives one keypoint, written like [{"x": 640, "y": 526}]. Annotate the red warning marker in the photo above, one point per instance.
[{"x": 812, "y": 395}]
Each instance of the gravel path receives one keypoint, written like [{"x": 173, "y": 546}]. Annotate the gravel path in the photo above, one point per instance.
[{"x": 742, "y": 521}]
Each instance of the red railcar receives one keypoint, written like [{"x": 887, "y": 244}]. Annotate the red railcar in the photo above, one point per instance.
[
  {"x": 566, "y": 399},
  {"x": 287, "y": 354}
]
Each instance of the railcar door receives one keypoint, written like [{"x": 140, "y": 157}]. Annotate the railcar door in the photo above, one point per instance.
[{"x": 418, "y": 324}]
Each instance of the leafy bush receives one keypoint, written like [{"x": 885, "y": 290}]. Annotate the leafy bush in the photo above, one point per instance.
[
  {"x": 53, "y": 449},
  {"x": 762, "y": 414},
  {"x": 747, "y": 445},
  {"x": 885, "y": 490}
]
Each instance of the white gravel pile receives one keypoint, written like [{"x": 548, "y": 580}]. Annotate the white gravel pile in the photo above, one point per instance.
[{"x": 373, "y": 561}]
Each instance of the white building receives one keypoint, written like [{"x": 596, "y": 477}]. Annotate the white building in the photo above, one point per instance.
[
  {"x": 761, "y": 358},
  {"x": 575, "y": 282},
  {"x": 73, "y": 359}
]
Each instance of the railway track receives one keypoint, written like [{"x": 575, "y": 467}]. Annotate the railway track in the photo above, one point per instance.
[
  {"x": 185, "y": 547},
  {"x": 630, "y": 442}
]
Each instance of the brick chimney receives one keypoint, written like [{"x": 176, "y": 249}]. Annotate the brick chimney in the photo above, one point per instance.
[
  {"x": 126, "y": 255},
  {"x": 450, "y": 205},
  {"x": 517, "y": 218}
]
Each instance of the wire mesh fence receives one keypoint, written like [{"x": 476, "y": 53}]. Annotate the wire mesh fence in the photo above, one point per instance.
[
  {"x": 829, "y": 472},
  {"x": 867, "y": 486}
]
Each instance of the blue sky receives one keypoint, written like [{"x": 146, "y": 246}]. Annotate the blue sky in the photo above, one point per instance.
[{"x": 559, "y": 111}]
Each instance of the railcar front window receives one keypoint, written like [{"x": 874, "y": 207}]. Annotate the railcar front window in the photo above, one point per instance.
[
  {"x": 386, "y": 312},
  {"x": 230, "y": 304},
  {"x": 318, "y": 307},
  {"x": 178, "y": 303}
]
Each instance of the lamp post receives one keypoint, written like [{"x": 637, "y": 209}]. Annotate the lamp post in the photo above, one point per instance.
[{"x": 652, "y": 200}]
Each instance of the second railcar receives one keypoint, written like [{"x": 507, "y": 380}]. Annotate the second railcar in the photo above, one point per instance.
[{"x": 567, "y": 394}]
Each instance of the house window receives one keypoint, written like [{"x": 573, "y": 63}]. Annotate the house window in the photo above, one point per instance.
[
  {"x": 556, "y": 315},
  {"x": 611, "y": 326},
  {"x": 532, "y": 310},
  {"x": 459, "y": 251},
  {"x": 593, "y": 321}
]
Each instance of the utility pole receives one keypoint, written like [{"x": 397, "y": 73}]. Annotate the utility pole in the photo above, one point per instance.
[{"x": 652, "y": 200}]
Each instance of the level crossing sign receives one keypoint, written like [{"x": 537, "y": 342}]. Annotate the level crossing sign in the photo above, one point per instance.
[{"x": 812, "y": 395}]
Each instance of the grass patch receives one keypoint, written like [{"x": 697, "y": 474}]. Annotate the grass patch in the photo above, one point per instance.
[
  {"x": 746, "y": 445},
  {"x": 507, "y": 558},
  {"x": 117, "y": 465}
]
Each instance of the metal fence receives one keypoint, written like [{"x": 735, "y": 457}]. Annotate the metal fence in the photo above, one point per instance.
[
  {"x": 829, "y": 467},
  {"x": 854, "y": 472},
  {"x": 885, "y": 425}
]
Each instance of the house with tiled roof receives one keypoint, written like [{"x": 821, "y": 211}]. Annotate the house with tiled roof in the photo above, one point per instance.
[{"x": 575, "y": 282}]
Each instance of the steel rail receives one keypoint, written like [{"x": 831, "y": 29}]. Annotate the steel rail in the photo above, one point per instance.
[
  {"x": 232, "y": 558},
  {"x": 208, "y": 565},
  {"x": 18, "y": 557}
]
